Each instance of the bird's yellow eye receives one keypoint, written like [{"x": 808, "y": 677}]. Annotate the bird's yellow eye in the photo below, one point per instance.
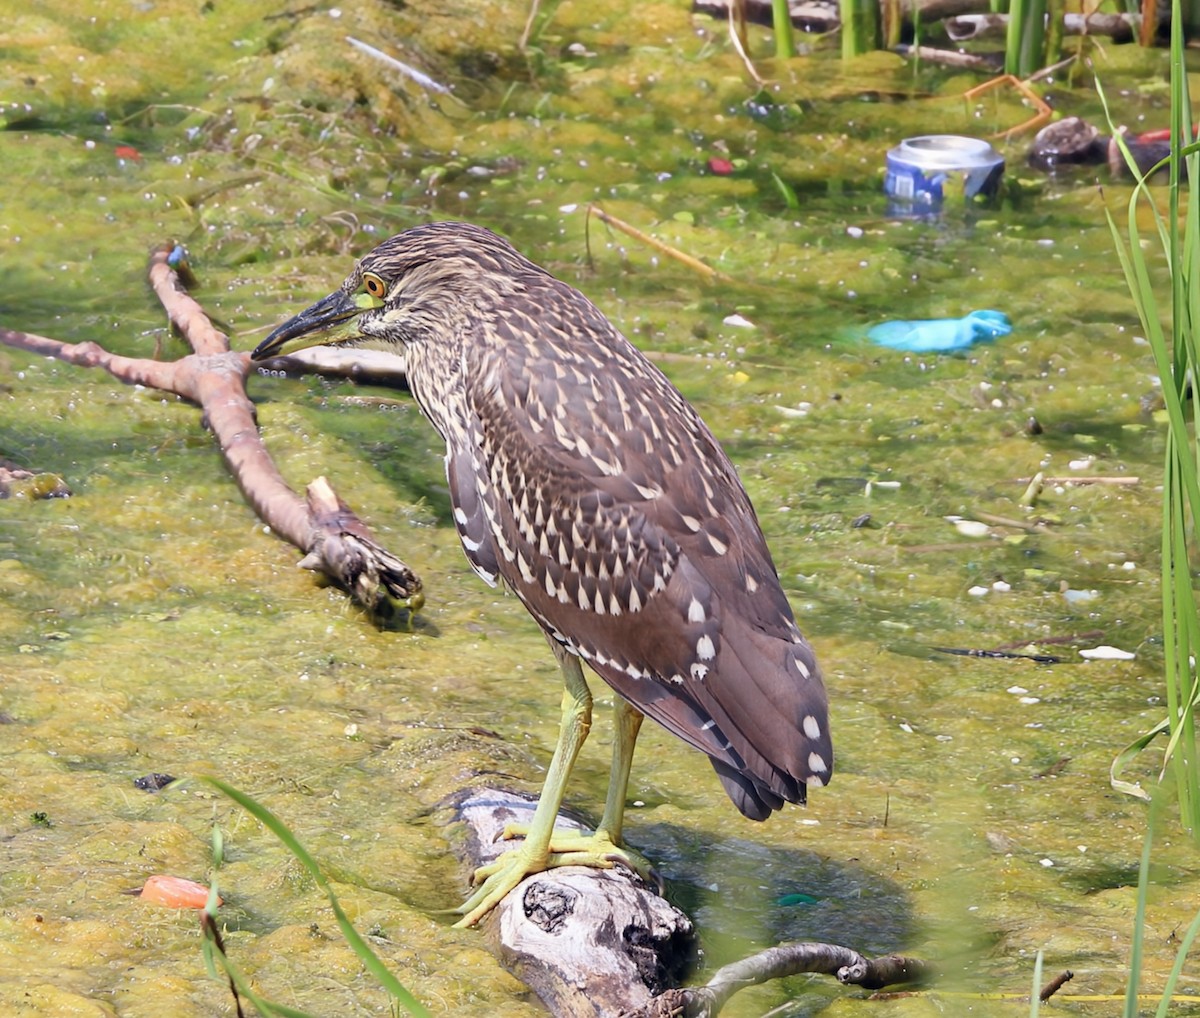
[{"x": 375, "y": 286}]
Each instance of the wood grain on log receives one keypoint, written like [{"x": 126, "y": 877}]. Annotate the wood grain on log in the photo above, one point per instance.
[{"x": 590, "y": 943}]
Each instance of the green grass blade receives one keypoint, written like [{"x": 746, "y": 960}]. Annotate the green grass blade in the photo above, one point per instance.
[
  {"x": 360, "y": 947},
  {"x": 781, "y": 19},
  {"x": 1017, "y": 12},
  {"x": 1128, "y": 754},
  {"x": 1174, "y": 353},
  {"x": 786, "y": 191},
  {"x": 215, "y": 958},
  {"x": 1139, "y": 924},
  {"x": 1185, "y": 946}
]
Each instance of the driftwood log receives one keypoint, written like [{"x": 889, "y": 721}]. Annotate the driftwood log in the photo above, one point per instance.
[
  {"x": 964, "y": 19},
  {"x": 1118, "y": 27},
  {"x": 603, "y": 944},
  {"x": 591, "y": 943},
  {"x": 813, "y": 16}
]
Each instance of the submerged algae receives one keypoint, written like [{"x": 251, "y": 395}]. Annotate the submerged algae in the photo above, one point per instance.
[{"x": 151, "y": 624}]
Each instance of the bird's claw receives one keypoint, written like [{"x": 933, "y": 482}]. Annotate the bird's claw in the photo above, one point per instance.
[{"x": 496, "y": 879}]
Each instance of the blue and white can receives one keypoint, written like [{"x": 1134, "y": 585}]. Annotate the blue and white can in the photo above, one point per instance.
[{"x": 919, "y": 169}]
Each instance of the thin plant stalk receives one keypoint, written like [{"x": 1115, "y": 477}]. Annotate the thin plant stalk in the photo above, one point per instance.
[
  {"x": 1012, "y": 43},
  {"x": 893, "y": 22},
  {"x": 1033, "y": 39},
  {"x": 1181, "y": 956},
  {"x": 1035, "y": 997},
  {"x": 369, "y": 958},
  {"x": 1149, "y": 16},
  {"x": 1176, "y": 354},
  {"x": 860, "y": 27},
  {"x": 781, "y": 20},
  {"x": 1055, "y": 13},
  {"x": 1139, "y": 924}
]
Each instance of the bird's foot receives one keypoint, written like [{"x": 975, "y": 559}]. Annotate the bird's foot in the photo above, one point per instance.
[
  {"x": 566, "y": 848},
  {"x": 584, "y": 848}
]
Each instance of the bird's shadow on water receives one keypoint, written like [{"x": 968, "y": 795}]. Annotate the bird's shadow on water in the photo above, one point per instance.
[{"x": 744, "y": 896}]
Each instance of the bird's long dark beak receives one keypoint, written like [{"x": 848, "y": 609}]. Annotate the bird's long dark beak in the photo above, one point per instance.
[{"x": 329, "y": 320}]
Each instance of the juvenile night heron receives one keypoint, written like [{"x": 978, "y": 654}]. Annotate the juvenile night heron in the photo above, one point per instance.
[{"x": 582, "y": 479}]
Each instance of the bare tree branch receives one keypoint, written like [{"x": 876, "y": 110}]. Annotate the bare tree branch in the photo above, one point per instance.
[
  {"x": 845, "y": 965},
  {"x": 334, "y": 540}
]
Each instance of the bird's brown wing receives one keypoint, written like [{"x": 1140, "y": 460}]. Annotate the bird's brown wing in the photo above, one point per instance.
[
  {"x": 620, "y": 523},
  {"x": 470, "y": 520}
]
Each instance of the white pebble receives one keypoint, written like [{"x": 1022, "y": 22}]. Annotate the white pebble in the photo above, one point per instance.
[
  {"x": 1106, "y": 653},
  {"x": 972, "y": 528}
]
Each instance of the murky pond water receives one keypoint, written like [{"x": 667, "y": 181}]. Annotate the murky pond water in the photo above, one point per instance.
[{"x": 151, "y": 625}]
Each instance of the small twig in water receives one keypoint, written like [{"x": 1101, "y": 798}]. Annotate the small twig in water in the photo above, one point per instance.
[
  {"x": 1055, "y": 984},
  {"x": 1008, "y": 521},
  {"x": 671, "y": 252},
  {"x": 528, "y": 29},
  {"x": 1035, "y": 488},
  {"x": 735, "y": 36},
  {"x": 1084, "y": 480},
  {"x": 1041, "y": 659},
  {"x": 1090, "y": 636},
  {"x": 847, "y": 966},
  {"x": 420, "y": 77}
]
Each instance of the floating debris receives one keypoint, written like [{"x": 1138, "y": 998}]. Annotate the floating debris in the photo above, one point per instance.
[
  {"x": 175, "y": 892},
  {"x": 1106, "y": 653},
  {"x": 969, "y": 528},
  {"x": 941, "y": 335},
  {"x": 152, "y": 782}
]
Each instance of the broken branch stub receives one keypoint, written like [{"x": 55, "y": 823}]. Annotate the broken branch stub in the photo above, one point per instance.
[{"x": 333, "y": 539}]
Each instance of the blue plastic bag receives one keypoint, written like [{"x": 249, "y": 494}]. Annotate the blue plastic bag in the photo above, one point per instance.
[{"x": 941, "y": 335}]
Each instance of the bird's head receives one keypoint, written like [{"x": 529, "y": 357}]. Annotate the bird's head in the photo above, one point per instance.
[{"x": 422, "y": 284}]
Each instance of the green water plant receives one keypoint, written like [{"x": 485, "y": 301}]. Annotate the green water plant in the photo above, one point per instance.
[
  {"x": 1171, "y": 329},
  {"x": 214, "y": 953},
  {"x": 1025, "y": 45},
  {"x": 860, "y": 26},
  {"x": 1132, "y": 997},
  {"x": 785, "y": 41}
]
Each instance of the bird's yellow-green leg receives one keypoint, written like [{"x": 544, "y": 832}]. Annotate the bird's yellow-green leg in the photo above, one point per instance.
[
  {"x": 544, "y": 847},
  {"x": 533, "y": 855},
  {"x": 627, "y": 722}
]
